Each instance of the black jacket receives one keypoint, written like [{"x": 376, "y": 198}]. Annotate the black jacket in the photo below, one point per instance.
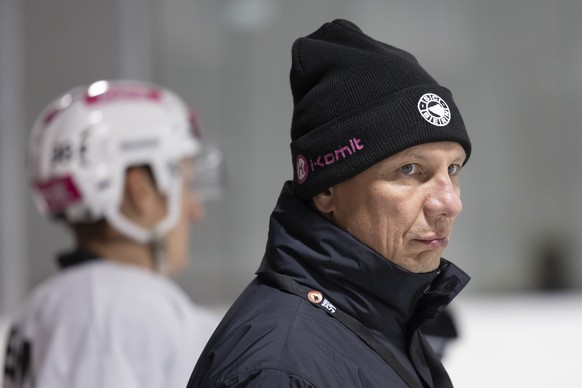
[{"x": 272, "y": 338}]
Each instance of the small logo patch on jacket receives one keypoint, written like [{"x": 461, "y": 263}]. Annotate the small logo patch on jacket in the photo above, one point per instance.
[{"x": 316, "y": 297}]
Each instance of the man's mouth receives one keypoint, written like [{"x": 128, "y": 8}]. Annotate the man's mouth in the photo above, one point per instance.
[{"x": 435, "y": 242}]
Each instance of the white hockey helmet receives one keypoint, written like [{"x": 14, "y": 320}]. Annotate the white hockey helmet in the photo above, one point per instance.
[{"x": 84, "y": 141}]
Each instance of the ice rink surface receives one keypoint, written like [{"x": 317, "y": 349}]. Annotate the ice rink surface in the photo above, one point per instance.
[
  {"x": 509, "y": 341},
  {"x": 529, "y": 341}
]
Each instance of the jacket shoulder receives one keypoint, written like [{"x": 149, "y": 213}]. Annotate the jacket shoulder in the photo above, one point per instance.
[{"x": 270, "y": 334}]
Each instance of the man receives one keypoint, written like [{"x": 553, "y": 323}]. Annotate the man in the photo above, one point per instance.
[
  {"x": 353, "y": 265},
  {"x": 116, "y": 161}
]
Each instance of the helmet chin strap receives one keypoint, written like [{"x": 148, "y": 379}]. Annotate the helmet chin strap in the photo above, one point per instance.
[
  {"x": 154, "y": 237},
  {"x": 159, "y": 253}
]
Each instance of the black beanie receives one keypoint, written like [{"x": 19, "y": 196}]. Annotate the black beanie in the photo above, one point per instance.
[{"x": 358, "y": 101}]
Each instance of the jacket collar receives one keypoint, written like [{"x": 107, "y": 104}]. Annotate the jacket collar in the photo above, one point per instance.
[{"x": 386, "y": 298}]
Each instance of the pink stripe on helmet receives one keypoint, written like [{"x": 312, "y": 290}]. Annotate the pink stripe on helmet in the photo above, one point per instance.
[
  {"x": 58, "y": 193},
  {"x": 124, "y": 93}
]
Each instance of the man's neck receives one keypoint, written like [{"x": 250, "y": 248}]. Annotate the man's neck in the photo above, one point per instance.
[{"x": 121, "y": 251}]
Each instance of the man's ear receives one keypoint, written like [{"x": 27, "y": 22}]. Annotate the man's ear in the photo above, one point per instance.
[{"x": 324, "y": 201}]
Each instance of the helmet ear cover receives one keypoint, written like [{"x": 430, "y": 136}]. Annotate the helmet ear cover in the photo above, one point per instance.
[{"x": 84, "y": 141}]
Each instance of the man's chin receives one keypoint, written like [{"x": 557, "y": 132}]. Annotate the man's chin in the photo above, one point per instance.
[{"x": 424, "y": 263}]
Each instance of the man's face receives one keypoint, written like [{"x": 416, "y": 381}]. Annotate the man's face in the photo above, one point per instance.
[{"x": 402, "y": 207}]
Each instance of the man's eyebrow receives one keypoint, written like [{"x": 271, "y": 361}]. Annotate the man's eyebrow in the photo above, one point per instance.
[{"x": 417, "y": 155}]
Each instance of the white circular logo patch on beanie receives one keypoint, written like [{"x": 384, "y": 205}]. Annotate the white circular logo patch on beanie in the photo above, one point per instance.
[{"x": 434, "y": 109}]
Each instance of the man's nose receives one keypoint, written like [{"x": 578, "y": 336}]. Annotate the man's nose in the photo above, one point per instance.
[{"x": 444, "y": 198}]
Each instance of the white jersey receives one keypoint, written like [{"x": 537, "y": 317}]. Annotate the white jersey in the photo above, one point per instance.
[{"x": 105, "y": 324}]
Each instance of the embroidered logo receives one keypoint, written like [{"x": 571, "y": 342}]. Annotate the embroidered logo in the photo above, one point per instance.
[
  {"x": 301, "y": 168},
  {"x": 302, "y": 165},
  {"x": 434, "y": 109}
]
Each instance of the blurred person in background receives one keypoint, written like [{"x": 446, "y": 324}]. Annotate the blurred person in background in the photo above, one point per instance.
[
  {"x": 353, "y": 266},
  {"x": 120, "y": 163}
]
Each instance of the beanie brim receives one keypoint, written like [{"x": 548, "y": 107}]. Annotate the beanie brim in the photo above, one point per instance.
[{"x": 356, "y": 140}]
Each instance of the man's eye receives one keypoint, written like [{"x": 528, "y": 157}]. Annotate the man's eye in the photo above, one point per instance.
[
  {"x": 408, "y": 169},
  {"x": 454, "y": 169}
]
